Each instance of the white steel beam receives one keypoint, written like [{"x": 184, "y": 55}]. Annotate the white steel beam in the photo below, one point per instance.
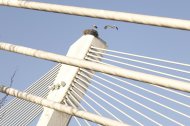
[
  {"x": 103, "y": 14},
  {"x": 109, "y": 69},
  {"x": 61, "y": 108}
]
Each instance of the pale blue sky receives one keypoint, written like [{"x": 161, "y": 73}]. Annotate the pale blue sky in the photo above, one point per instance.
[{"x": 56, "y": 32}]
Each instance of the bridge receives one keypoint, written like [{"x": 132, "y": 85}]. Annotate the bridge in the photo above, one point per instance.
[{"x": 93, "y": 85}]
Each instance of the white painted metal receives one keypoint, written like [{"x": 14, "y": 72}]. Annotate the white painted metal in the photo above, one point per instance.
[
  {"x": 144, "y": 57},
  {"x": 103, "y": 14},
  {"x": 64, "y": 79},
  {"x": 140, "y": 61},
  {"x": 109, "y": 69},
  {"x": 59, "y": 107}
]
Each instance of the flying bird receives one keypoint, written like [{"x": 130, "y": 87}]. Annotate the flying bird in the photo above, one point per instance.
[{"x": 110, "y": 26}]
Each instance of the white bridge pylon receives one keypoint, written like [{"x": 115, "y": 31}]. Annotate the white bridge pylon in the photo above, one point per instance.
[
  {"x": 59, "y": 91},
  {"x": 57, "y": 82}
]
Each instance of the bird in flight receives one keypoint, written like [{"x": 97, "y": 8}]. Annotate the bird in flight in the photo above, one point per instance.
[{"x": 110, "y": 26}]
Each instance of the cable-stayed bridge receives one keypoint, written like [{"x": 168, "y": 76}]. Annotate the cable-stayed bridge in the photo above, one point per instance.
[{"x": 106, "y": 95}]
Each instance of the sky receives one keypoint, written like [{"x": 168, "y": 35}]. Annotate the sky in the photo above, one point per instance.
[{"x": 56, "y": 32}]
